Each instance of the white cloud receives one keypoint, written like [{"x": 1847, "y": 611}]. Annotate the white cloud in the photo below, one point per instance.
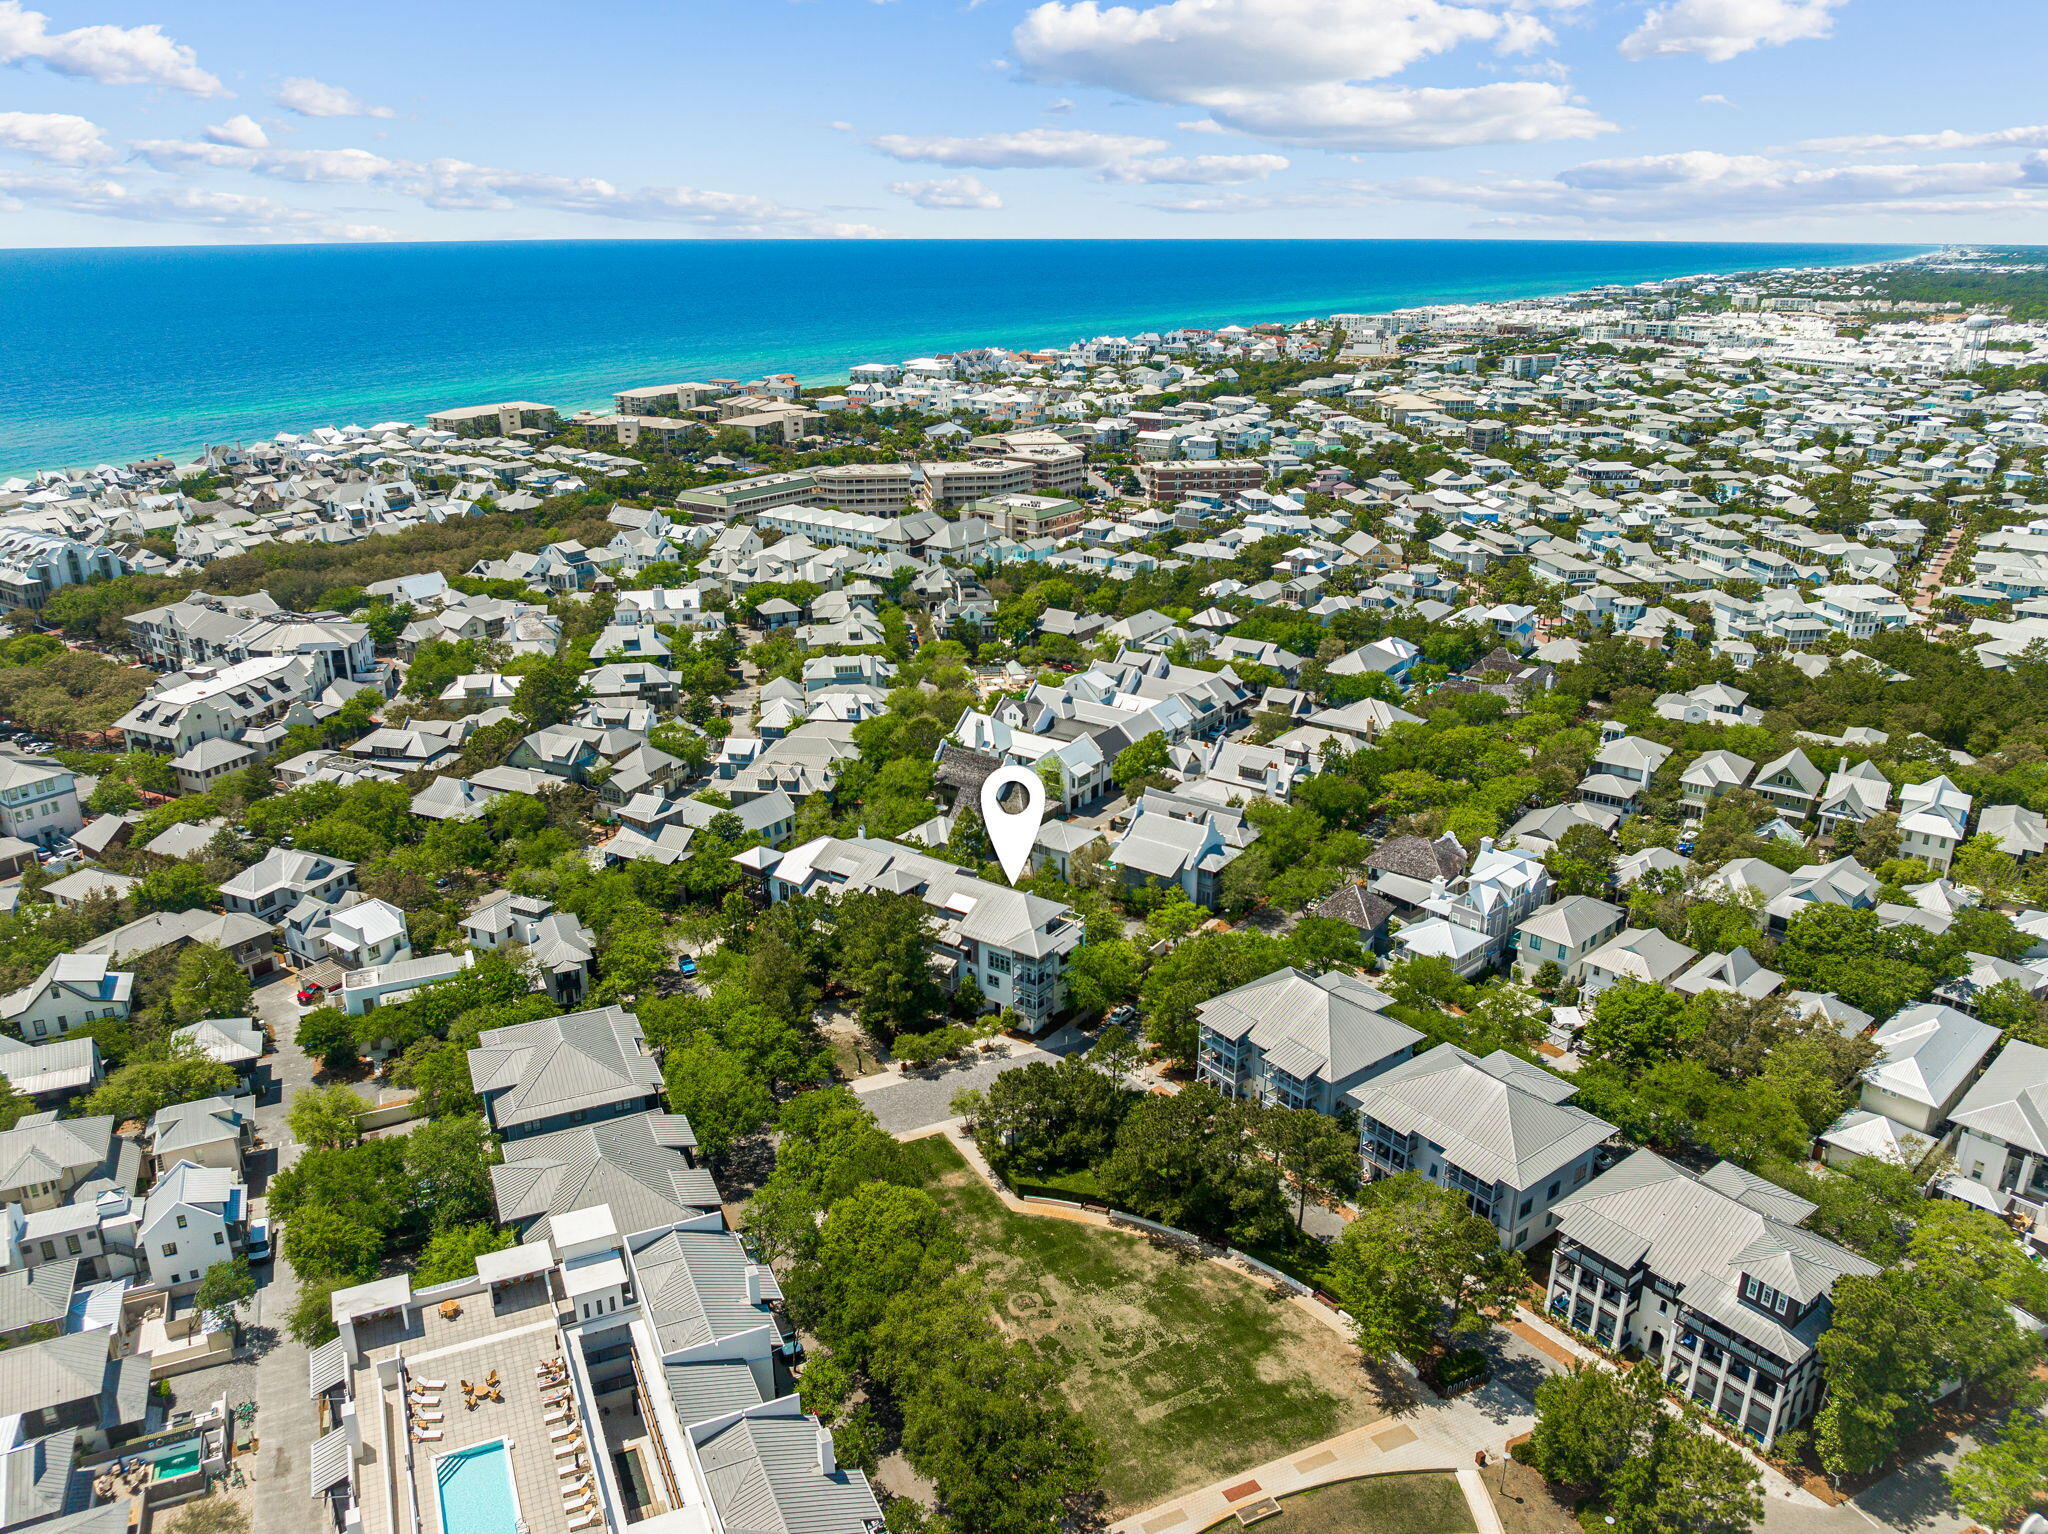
[
  {"x": 1295, "y": 71},
  {"x": 315, "y": 98},
  {"x": 1260, "y": 202},
  {"x": 1718, "y": 30},
  {"x": 949, "y": 192},
  {"x": 1700, "y": 185},
  {"x": 1948, "y": 139},
  {"x": 1388, "y": 117},
  {"x": 249, "y": 217},
  {"x": 1197, "y": 170},
  {"x": 241, "y": 130},
  {"x": 1029, "y": 149},
  {"x": 111, "y": 55},
  {"x": 1057, "y": 108},
  {"x": 1715, "y": 99},
  {"x": 54, "y": 136},
  {"x": 1179, "y": 50},
  {"x": 459, "y": 185}
]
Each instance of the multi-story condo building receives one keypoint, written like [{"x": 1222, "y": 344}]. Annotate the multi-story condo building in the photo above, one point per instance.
[
  {"x": 1173, "y": 479},
  {"x": 948, "y": 484},
  {"x": 1030, "y": 516},
  {"x": 500, "y": 420},
  {"x": 219, "y": 703},
  {"x": 1499, "y": 1130},
  {"x": 1014, "y": 946},
  {"x": 1711, "y": 1276},
  {"x": 1295, "y": 1040},
  {"x": 38, "y": 801},
  {"x": 34, "y": 563}
]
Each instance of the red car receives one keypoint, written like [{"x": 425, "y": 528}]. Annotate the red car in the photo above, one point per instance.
[{"x": 310, "y": 993}]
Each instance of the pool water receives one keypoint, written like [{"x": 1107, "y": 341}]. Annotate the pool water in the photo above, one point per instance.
[
  {"x": 183, "y": 1461},
  {"x": 475, "y": 1490}
]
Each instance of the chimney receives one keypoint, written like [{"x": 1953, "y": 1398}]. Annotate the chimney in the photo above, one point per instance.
[
  {"x": 753, "y": 1284},
  {"x": 828, "y": 1458},
  {"x": 1485, "y": 845}
]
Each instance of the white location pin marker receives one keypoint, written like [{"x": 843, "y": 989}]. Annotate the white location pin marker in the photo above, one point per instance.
[{"x": 1013, "y": 832}]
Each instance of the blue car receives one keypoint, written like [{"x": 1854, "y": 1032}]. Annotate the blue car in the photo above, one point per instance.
[{"x": 687, "y": 967}]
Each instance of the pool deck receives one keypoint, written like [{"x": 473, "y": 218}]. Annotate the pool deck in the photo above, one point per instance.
[{"x": 510, "y": 1334}]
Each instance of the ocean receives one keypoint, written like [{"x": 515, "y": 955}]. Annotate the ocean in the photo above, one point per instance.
[{"x": 111, "y": 355}]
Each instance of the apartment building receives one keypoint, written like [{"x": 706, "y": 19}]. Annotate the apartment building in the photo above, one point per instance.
[
  {"x": 948, "y": 485},
  {"x": 500, "y": 420},
  {"x": 1296, "y": 1040},
  {"x": 38, "y": 801},
  {"x": 1025, "y": 517},
  {"x": 1499, "y": 1130},
  {"x": 72, "y": 990},
  {"x": 34, "y": 563},
  {"x": 1175, "y": 479},
  {"x": 212, "y": 702},
  {"x": 1711, "y": 1276},
  {"x": 1014, "y": 946}
]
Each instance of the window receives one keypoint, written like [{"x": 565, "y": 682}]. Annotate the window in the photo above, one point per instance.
[
  {"x": 220, "y": 1238},
  {"x": 997, "y": 963},
  {"x": 181, "y": 1222},
  {"x": 71, "y": 1245},
  {"x": 170, "y": 1249}
]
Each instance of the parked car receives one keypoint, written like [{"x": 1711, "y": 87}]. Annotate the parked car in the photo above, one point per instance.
[
  {"x": 686, "y": 966},
  {"x": 259, "y": 1240},
  {"x": 1121, "y": 1017},
  {"x": 310, "y": 993}
]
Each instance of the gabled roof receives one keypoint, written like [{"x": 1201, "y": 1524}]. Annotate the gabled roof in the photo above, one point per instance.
[
  {"x": 583, "y": 1060},
  {"x": 637, "y": 1166},
  {"x": 1325, "y": 1027},
  {"x": 1499, "y": 1119},
  {"x": 1927, "y": 1052},
  {"x": 2010, "y": 1101}
]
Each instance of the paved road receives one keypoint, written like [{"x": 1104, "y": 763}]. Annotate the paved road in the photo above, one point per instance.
[
  {"x": 915, "y": 1101},
  {"x": 271, "y": 1368}
]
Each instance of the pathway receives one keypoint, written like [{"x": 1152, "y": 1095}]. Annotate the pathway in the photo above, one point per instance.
[
  {"x": 1419, "y": 1434},
  {"x": 1923, "y": 599}
]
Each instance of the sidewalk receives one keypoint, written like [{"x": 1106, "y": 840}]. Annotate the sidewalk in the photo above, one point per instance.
[{"x": 1436, "y": 1438}]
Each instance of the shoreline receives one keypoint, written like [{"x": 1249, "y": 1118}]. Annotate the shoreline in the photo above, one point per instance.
[{"x": 588, "y": 382}]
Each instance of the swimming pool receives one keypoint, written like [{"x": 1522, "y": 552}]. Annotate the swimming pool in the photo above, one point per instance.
[
  {"x": 183, "y": 1460},
  {"x": 474, "y": 1486}
]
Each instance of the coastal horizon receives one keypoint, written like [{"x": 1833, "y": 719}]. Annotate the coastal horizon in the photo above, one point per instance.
[{"x": 113, "y": 353}]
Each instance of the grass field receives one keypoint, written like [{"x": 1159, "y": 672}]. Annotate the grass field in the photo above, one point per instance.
[
  {"x": 1187, "y": 1371},
  {"x": 1426, "y": 1502}
]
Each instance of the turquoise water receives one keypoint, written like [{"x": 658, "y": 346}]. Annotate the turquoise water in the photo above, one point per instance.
[
  {"x": 108, "y": 355},
  {"x": 475, "y": 1490},
  {"x": 182, "y": 1461}
]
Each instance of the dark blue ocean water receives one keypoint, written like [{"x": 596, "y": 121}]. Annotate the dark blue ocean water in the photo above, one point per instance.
[{"x": 106, "y": 355}]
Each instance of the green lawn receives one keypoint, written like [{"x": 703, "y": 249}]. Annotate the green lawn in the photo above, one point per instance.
[
  {"x": 1424, "y": 1502},
  {"x": 1189, "y": 1372}
]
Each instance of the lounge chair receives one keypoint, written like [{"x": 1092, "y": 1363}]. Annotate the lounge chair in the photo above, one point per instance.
[
  {"x": 588, "y": 1521},
  {"x": 563, "y": 1434},
  {"x": 565, "y": 1451},
  {"x": 433, "y": 1385},
  {"x": 428, "y": 1416},
  {"x": 425, "y": 1434}
]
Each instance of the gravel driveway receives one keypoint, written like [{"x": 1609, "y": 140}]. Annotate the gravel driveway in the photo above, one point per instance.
[{"x": 916, "y": 1102}]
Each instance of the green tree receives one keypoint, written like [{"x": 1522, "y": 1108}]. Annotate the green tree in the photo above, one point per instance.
[
  {"x": 1418, "y": 1267},
  {"x": 453, "y": 1252},
  {"x": 882, "y": 942},
  {"x": 448, "y": 1165},
  {"x": 321, "y": 1241},
  {"x": 327, "y": 1117},
  {"x": 878, "y": 1242},
  {"x": 1692, "y": 1483},
  {"x": 1997, "y": 1482},
  {"x": 175, "y": 887},
  {"x": 1145, "y": 759},
  {"x": 222, "y": 1287},
  {"x": 550, "y": 692},
  {"x": 311, "y": 1319},
  {"x": 208, "y": 983},
  {"x": 1636, "y": 1025},
  {"x": 1186, "y": 1160},
  {"x": 144, "y": 1087},
  {"x": 1104, "y": 975},
  {"x": 328, "y": 1034},
  {"x": 1591, "y": 1421},
  {"x": 1318, "y": 1154},
  {"x": 719, "y": 1092},
  {"x": 830, "y": 1145}
]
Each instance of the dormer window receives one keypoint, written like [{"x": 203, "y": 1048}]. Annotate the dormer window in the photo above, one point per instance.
[{"x": 1764, "y": 1297}]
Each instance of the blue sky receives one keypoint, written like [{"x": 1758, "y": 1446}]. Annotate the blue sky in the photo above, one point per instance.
[{"x": 149, "y": 122}]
